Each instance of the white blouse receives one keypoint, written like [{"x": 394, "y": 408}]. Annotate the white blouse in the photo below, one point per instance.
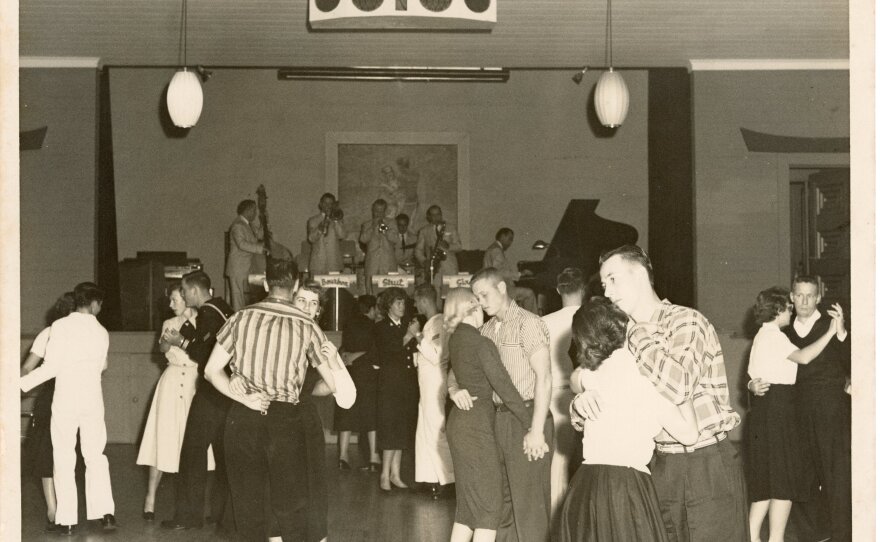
[
  {"x": 630, "y": 419},
  {"x": 768, "y": 359}
]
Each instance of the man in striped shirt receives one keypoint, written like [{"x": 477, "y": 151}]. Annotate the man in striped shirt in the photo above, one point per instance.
[
  {"x": 523, "y": 342},
  {"x": 272, "y": 437},
  {"x": 701, "y": 487}
]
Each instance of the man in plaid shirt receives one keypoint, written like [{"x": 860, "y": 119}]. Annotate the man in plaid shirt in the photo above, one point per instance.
[{"x": 701, "y": 488}]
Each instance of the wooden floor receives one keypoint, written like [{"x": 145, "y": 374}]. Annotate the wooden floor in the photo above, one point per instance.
[{"x": 358, "y": 510}]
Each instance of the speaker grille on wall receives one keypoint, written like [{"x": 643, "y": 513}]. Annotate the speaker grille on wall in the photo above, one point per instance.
[{"x": 402, "y": 14}]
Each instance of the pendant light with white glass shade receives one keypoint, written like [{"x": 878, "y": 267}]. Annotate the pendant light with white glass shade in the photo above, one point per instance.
[
  {"x": 611, "y": 97},
  {"x": 185, "y": 97}
]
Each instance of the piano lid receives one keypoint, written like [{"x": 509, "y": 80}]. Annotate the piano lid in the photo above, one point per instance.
[{"x": 581, "y": 237}]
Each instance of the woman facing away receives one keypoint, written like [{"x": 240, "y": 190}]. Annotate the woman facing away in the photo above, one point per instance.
[
  {"x": 611, "y": 497},
  {"x": 777, "y": 450},
  {"x": 39, "y": 448},
  {"x": 166, "y": 422},
  {"x": 477, "y": 366}
]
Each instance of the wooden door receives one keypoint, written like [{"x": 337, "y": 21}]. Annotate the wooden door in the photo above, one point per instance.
[{"x": 828, "y": 233}]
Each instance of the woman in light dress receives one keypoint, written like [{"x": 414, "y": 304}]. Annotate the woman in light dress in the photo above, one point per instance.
[{"x": 163, "y": 433}]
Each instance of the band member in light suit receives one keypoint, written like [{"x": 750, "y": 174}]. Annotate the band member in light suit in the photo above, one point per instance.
[
  {"x": 245, "y": 235},
  {"x": 427, "y": 243},
  {"x": 376, "y": 234},
  {"x": 325, "y": 230}
]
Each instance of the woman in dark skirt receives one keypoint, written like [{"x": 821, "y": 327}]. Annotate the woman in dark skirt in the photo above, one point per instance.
[
  {"x": 612, "y": 497},
  {"x": 478, "y": 371},
  {"x": 398, "y": 385},
  {"x": 777, "y": 457},
  {"x": 357, "y": 345},
  {"x": 38, "y": 451}
]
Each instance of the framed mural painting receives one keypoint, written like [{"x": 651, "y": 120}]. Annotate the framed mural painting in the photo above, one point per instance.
[{"x": 409, "y": 170}]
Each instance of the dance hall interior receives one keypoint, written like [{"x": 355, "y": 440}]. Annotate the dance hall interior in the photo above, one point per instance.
[{"x": 198, "y": 178}]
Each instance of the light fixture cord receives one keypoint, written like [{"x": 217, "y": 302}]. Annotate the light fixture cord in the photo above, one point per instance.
[
  {"x": 181, "y": 42},
  {"x": 609, "y": 41}
]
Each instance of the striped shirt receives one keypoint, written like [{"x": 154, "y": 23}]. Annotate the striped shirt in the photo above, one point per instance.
[
  {"x": 271, "y": 344},
  {"x": 679, "y": 352},
  {"x": 517, "y": 334}
]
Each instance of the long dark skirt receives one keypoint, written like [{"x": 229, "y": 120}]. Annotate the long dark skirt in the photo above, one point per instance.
[
  {"x": 361, "y": 417},
  {"x": 607, "y": 503},
  {"x": 38, "y": 450},
  {"x": 778, "y": 464}
]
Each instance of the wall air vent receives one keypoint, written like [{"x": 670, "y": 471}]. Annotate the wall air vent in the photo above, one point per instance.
[{"x": 402, "y": 14}]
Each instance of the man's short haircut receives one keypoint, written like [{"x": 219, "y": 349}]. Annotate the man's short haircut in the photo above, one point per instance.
[
  {"x": 428, "y": 212},
  {"x": 381, "y": 202},
  {"x": 570, "y": 281},
  {"x": 388, "y": 297},
  {"x": 402, "y": 216},
  {"x": 598, "y": 329},
  {"x": 281, "y": 273},
  {"x": 365, "y": 303},
  {"x": 199, "y": 279},
  {"x": 487, "y": 273},
  {"x": 86, "y": 292},
  {"x": 245, "y": 205},
  {"x": 770, "y": 303},
  {"x": 502, "y": 233},
  {"x": 632, "y": 254},
  {"x": 425, "y": 291},
  {"x": 314, "y": 287},
  {"x": 808, "y": 279},
  {"x": 327, "y": 195}
]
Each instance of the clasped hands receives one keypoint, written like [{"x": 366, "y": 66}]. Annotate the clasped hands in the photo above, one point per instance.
[
  {"x": 534, "y": 445},
  {"x": 256, "y": 400}
]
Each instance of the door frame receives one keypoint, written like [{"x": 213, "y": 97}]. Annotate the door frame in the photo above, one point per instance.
[{"x": 784, "y": 164}]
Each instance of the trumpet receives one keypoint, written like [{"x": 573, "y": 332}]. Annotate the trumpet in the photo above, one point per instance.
[{"x": 335, "y": 214}]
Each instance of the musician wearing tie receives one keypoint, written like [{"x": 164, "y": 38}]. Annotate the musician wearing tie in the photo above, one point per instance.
[
  {"x": 405, "y": 242},
  {"x": 245, "y": 240},
  {"x": 377, "y": 237},
  {"x": 325, "y": 230},
  {"x": 436, "y": 246},
  {"x": 496, "y": 256}
]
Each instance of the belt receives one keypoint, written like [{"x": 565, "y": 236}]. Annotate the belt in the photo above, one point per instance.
[
  {"x": 501, "y": 407},
  {"x": 676, "y": 448}
]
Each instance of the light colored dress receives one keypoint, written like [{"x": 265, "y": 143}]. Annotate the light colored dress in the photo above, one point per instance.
[
  {"x": 163, "y": 433},
  {"x": 433, "y": 458}
]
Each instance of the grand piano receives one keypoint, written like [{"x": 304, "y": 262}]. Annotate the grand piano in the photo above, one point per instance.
[{"x": 581, "y": 237}]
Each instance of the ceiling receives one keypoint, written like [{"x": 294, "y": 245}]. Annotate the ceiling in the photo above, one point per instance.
[{"x": 529, "y": 33}]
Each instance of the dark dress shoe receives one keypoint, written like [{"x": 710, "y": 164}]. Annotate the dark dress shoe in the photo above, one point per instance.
[
  {"x": 64, "y": 530},
  {"x": 375, "y": 467},
  {"x": 173, "y": 525},
  {"x": 149, "y": 516},
  {"x": 343, "y": 465},
  {"x": 108, "y": 522},
  {"x": 51, "y": 527}
]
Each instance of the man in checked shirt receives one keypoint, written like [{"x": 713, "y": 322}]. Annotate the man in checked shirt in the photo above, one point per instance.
[{"x": 701, "y": 488}]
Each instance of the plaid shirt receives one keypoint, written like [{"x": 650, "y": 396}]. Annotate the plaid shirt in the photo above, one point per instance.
[{"x": 679, "y": 352}]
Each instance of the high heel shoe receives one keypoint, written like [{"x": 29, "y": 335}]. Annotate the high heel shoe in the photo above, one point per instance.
[
  {"x": 385, "y": 490},
  {"x": 343, "y": 465},
  {"x": 398, "y": 485},
  {"x": 148, "y": 516}
]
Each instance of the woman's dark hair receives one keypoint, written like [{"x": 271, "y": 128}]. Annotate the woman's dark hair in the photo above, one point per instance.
[
  {"x": 388, "y": 297},
  {"x": 598, "y": 329},
  {"x": 365, "y": 303},
  {"x": 63, "y": 306},
  {"x": 770, "y": 303}
]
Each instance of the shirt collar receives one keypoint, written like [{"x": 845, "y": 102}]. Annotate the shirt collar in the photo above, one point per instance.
[
  {"x": 246, "y": 221},
  {"x": 509, "y": 313},
  {"x": 393, "y": 320},
  {"x": 803, "y": 328}
]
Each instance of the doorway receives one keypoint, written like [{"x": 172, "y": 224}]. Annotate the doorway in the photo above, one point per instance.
[{"x": 820, "y": 229}]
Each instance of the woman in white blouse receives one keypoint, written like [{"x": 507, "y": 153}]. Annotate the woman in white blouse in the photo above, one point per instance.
[
  {"x": 777, "y": 458},
  {"x": 612, "y": 497}
]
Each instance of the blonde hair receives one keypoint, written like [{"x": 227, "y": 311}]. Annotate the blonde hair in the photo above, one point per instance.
[{"x": 458, "y": 303}]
